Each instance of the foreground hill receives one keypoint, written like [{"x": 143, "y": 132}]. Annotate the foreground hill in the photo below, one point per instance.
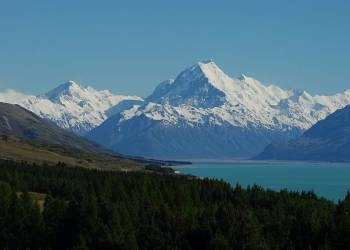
[
  {"x": 327, "y": 140},
  {"x": 204, "y": 113},
  {"x": 26, "y": 136}
]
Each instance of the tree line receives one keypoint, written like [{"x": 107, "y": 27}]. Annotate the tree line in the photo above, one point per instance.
[{"x": 92, "y": 209}]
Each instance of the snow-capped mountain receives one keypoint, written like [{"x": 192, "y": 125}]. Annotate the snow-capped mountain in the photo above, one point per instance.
[
  {"x": 204, "y": 113},
  {"x": 70, "y": 105}
]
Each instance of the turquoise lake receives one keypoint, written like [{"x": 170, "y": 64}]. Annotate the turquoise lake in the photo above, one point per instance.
[{"x": 330, "y": 180}]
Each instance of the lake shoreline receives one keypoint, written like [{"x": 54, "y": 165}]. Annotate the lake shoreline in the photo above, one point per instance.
[
  {"x": 255, "y": 162},
  {"x": 327, "y": 179}
]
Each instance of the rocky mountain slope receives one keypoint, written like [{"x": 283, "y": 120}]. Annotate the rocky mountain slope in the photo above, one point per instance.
[
  {"x": 70, "y": 105},
  {"x": 204, "y": 113},
  {"x": 327, "y": 140}
]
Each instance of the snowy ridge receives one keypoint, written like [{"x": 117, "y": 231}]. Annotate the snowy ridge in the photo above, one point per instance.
[
  {"x": 70, "y": 105},
  {"x": 12, "y": 96},
  {"x": 202, "y": 113},
  {"x": 217, "y": 98},
  {"x": 231, "y": 117}
]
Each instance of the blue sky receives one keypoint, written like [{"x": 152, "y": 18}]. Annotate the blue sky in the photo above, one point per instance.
[{"x": 131, "y": 46}]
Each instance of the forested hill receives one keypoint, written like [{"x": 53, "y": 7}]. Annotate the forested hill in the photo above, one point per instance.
[{"x": 66, "y": 208}]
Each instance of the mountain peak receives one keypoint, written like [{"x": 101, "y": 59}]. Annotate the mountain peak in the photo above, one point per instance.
[
  {"x": 204, "y": 69},
  {"x": 209, "y": 61},
  {"x": 71, "y": 83},
  {"x": 299, "y": 94},
  {"x": 207, "y": 69},
  {"x": 208, "y": 65},
  {"x": 198, "y": 85},
  {"x": 161, "y": 89},
  {"x": 65, "y": 88},
  {"x": 243, "y": 77}
]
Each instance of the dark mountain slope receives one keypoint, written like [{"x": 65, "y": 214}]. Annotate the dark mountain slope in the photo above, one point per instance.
[
  {"x": 15, "y": 120},
  {"x": 26, "y": 136},
  {"x": 327, "y": 140}
]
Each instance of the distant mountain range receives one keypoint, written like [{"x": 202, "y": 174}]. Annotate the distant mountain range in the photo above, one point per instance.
[
  {"x": 70, "y": 105},
  {"x": 327, "y": 140},
  {"x": 202, "y": 113}
]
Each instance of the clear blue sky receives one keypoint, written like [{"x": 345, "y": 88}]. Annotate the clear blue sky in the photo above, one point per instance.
[{"x": 131, "y": 46}]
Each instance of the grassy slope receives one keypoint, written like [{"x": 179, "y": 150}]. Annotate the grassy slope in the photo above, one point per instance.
[
  {"x": 26, "y": 137},
  {"x": 16, "y": 149}
]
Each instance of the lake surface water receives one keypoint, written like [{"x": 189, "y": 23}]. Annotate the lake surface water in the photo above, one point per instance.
[{"x": 330, "y": 180}]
